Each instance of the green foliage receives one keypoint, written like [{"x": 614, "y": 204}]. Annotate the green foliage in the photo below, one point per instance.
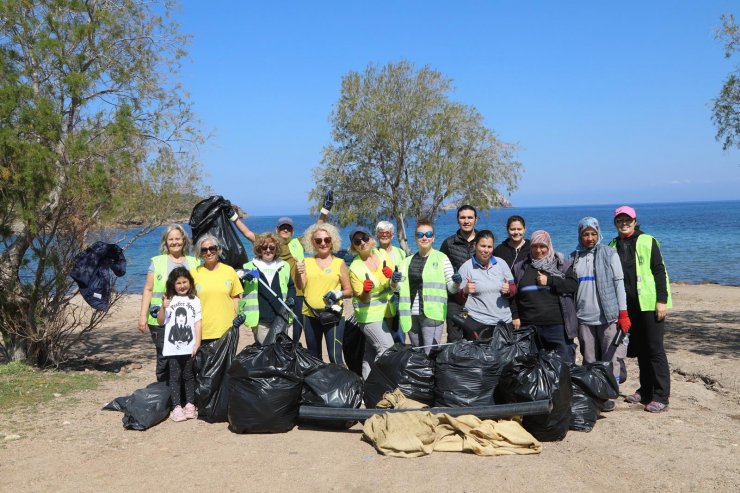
[
  {"x": 403, "y": 148},
  {"x": 726, "y": 108},
  {"x": 95, "y": 130}
]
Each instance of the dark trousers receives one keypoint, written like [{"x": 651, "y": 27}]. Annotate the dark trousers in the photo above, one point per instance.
[
  {"x": 334, "y": 335},
  {"x": 181, "y": 374},
  {"x": 161, "y": 370},
  {"x": 552, "y": 338},
  {"x": 454, "y": 333},
  {"x": 399, "y": 336},
  {"x": 297, "y": 315},
  {"x": 646, "y": 342}
]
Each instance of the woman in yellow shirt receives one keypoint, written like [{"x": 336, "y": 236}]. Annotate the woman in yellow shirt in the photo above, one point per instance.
[
  {"x": 370, "y": 275},
  {"x": 324, "y": 280},
  {"x": 218, "y": 289}
]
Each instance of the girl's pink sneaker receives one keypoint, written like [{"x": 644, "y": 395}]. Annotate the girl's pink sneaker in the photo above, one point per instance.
[
  {"x": 177, "y": 414},
  {"x": 190, "y": 411}
]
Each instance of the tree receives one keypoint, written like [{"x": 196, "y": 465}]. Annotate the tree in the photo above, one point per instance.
[
  {"x": 402, "y": 148},
  {"x": 726, "y": 109},
  {"x": 94, "y": 131}
]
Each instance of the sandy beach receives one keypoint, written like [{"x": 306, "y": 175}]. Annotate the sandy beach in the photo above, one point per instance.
[{"x": 72, "y": 445}]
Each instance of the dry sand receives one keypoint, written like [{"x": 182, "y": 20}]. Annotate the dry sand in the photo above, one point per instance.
[{"x": 74, "y": 446}]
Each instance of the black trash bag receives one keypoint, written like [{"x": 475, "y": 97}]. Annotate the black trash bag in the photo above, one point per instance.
[
  {"x": 593, "y": 384},
  {"x": 584, "y": 409},
  {"x": 331, "y": 386},
  {"x": 304, "y": 361},
  {"x": 277, "y": 356},
  {"x": 209, "y": 216},
  {"x": 596, "y": 379},
  {"x": 465, "y": 374},
  {"x": 536, "y": 377},
  {"x": 509, "y": 343},
  {"x": 353, "y": 345},
  {"x": 263, "y": 401},
  {"x": 401, "y": 367},
  {"x": 210, "y": 368},
  {"x": 279, "y": 326},
  {"x": 144, "y": 408}
]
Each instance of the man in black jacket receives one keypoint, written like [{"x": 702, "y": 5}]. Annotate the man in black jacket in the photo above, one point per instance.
[{"x": 459, "y": 248}]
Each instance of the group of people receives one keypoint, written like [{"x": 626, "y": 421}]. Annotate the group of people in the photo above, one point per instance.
[{"x": 611, "y": 298}]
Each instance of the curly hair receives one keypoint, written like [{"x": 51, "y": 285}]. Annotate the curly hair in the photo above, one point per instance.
[
  {"x": 330, "y": 229},
  {"x": 185, "y": 239},
  {"x": 263, "y": 240}
]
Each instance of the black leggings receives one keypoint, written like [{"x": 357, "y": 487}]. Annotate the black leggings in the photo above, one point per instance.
[
  {"x": 181, "y": 372},
  {"x": 157, "y": 334},
  {"x": 646, "y": 342}
]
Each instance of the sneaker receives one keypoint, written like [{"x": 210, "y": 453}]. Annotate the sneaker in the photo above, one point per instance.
[
  {"x": 656, "y": 407},
  {"x": 177, "y": 414},
  {"x": 635, "y": 398},
  {"x": 609, "y": 406},
  {"x": 190, "y": 411}
]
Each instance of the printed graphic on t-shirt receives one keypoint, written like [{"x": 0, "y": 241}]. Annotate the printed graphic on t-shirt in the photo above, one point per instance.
[{"x": 179, "y": 330}]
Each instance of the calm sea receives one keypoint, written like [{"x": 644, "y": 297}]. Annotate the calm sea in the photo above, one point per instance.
[{"x": 699, "y": 240}]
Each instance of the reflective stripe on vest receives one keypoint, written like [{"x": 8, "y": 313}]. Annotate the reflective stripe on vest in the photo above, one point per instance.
[
  {"x": 249, "y": 303},
  {"x": 433, "y": 290},
  {"x": 374, "y": 311},
  {"x": 160, "y": 281},
  {"x": 646, "y": 293}
]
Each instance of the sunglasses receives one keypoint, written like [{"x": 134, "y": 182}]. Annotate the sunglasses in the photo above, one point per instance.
[
  {"x": 210, "y": 249},
  {"x": 385, "y": 234},
  {"x": 428, "y": 234},
  {"x": 325, "y": 241},
  {"x": 359, "y": 240},
  {"x": 268, "y": 248},
  {"x": 625, "y": 220},
  {"x": 285, "y": 227}
]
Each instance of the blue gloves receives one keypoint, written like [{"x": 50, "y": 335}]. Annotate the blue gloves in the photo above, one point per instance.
[
  {"x": 154, "y": 311},
  {"x": 456, "y": 278},
  {"x": 251, "y": 275},
  {"x": 328, "y": 202},
  {"x": 290, "y": 302},
  {"x": 239, "y": 320},
  {"x": 331, "y": 297},
  {"x": 329, "y": 199},
  {"x": 397, "y": 276}
]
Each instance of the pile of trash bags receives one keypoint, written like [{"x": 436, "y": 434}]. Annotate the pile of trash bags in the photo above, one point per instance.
[{"x": 261, "y": 389}]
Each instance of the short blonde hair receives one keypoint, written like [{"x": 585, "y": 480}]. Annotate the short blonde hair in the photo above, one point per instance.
[
  {"x": 263, "y": 240},
  {"x": 185, "y": 239},
  {"x": 330, "y": 229}
]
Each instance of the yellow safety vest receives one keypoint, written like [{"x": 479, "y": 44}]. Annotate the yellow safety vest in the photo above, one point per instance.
[
  {"x": 160, "y": 281},
  {"x": 645, "y": 280},
  {"x": 433, "y": 290},
  {"x": 249, "y": 303},
  {"x": 374, "y": 311}
]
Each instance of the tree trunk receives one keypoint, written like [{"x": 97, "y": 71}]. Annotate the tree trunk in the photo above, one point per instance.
[{"x": 401, "y": 229}]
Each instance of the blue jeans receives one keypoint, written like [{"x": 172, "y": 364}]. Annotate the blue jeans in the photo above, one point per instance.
[{"x": 334, "y": 335}]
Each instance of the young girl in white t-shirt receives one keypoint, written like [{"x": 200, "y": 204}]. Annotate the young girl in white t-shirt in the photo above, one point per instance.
[{"x": 180, "y": 314}]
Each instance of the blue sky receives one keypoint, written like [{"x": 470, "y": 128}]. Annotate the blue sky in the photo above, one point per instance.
[{"x": 609, "y": 101}]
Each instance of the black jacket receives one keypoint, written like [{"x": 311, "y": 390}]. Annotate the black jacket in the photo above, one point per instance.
[
  {"x": 510, "y": 254},
  {"x": 91, "y": 272},
  {"x": 458, "y": 249}
]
